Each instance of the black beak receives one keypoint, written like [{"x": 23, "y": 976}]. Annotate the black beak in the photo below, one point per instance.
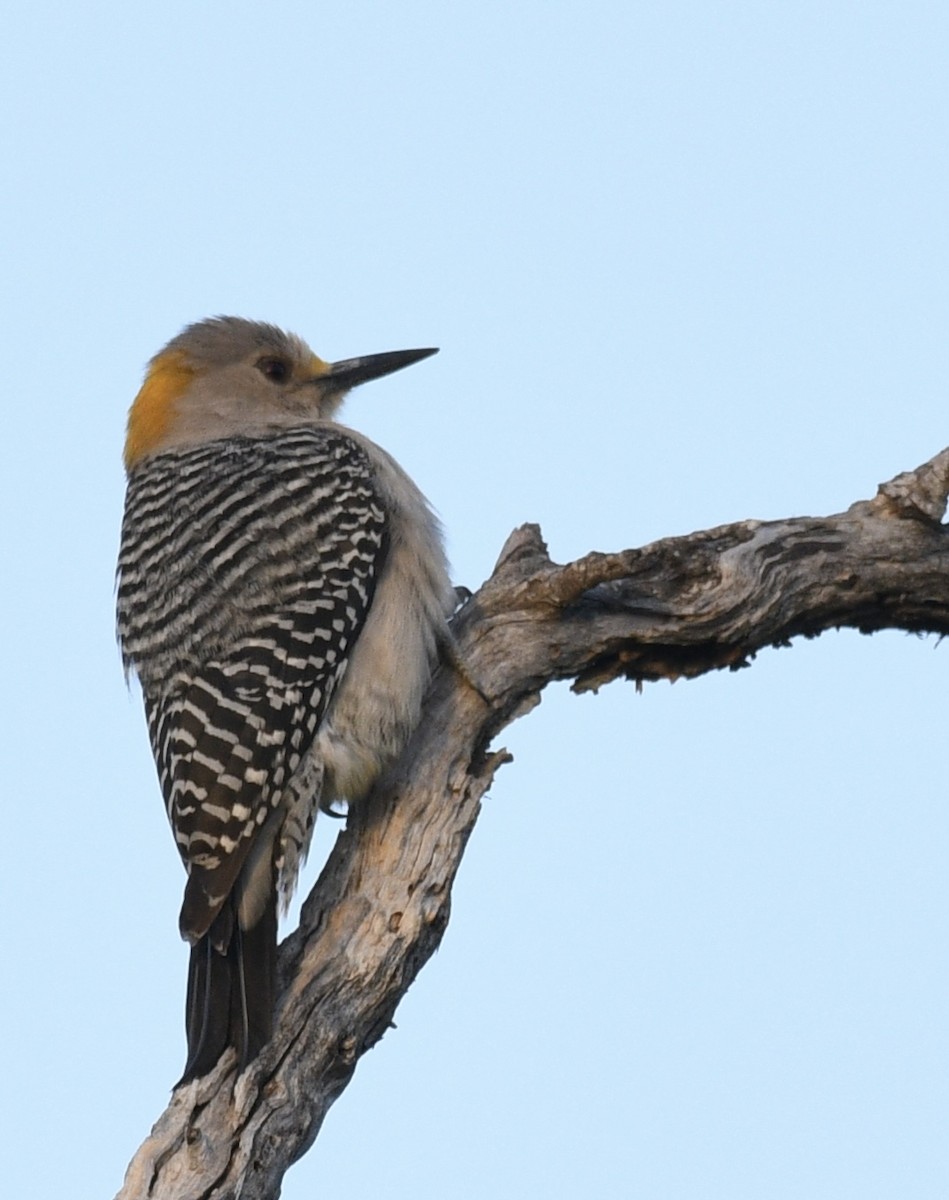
[{"x": 353, "y": 371}]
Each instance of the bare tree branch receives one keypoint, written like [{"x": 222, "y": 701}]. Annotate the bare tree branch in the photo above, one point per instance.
[{"x": 678, "y": 607}]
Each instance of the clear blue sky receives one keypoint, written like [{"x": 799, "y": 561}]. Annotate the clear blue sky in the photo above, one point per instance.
[{"x": 687, "y": 264}]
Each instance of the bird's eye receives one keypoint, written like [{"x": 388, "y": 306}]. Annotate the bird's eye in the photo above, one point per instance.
[{"x": 277, "y": 370}]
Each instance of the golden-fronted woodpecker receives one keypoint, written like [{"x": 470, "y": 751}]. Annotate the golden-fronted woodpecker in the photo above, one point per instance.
[{"x": 282, "y": 597}]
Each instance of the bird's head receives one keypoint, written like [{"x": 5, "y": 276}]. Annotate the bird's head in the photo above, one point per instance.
[{"x": 228, "y": 377}]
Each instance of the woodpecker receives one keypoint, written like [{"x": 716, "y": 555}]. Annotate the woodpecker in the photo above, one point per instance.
[{"x": 282, "y": 597}]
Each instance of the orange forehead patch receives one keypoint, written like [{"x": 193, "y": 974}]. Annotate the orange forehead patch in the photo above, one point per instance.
[{"x": 153, "y": 407}]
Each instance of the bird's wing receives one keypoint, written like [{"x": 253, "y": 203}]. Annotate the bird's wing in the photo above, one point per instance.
[{"x": 262, "y": 579}]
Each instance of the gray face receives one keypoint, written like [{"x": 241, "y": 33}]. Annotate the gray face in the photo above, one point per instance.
[{"x": 229, "y": 377}]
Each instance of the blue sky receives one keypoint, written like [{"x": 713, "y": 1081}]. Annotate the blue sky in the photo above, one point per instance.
[{"x": 687, "y": 264}]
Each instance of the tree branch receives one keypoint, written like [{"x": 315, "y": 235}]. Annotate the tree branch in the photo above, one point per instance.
[{"x": 679, "y": 607}]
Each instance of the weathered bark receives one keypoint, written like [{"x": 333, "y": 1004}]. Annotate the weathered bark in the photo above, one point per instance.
[{"x": 679, "y": 607}]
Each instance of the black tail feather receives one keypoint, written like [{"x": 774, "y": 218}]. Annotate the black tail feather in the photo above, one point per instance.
[{"x": 231, "y": 990}]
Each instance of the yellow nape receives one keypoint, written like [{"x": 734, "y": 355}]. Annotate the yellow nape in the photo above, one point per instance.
[{"x": 153, "y": 407}]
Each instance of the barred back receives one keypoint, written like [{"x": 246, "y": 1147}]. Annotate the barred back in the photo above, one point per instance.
[{"x": 246, "y": 570}]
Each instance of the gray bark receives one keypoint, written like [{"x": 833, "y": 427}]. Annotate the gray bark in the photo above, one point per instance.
[{"x": 677, "y": 608}]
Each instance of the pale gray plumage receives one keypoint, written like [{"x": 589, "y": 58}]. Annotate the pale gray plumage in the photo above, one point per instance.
[{"x": 282, "y": 596}]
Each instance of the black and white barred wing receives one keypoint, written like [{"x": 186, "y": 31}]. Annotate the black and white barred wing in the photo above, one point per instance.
[{"x": 248, "y": 600}]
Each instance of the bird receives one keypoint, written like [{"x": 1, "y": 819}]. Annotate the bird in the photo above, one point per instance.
[{"x": 283, "y": 598}]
